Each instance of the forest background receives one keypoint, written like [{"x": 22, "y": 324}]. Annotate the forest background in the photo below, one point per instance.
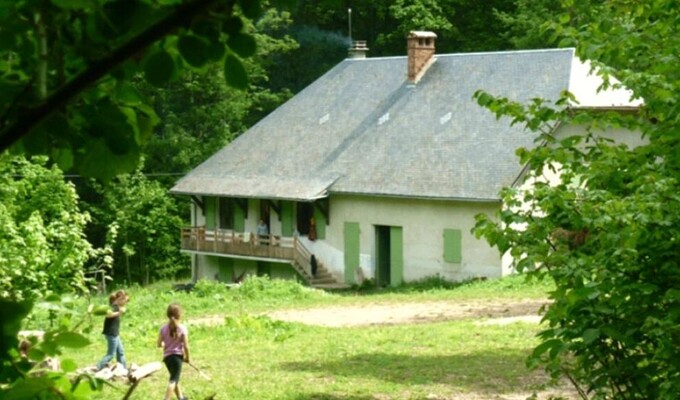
[{"x": 130, "y": 219}]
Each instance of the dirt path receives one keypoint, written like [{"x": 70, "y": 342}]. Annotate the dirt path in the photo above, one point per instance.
[{"x": 487, "y": 311}]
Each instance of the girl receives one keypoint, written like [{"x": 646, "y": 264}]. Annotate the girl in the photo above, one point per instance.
[
  {"x": 114, "y": 346},
  {"x": 174, "y": 338}
]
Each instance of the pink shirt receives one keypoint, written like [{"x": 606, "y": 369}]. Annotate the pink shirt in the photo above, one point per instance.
[{"x": 173, "y": 345}]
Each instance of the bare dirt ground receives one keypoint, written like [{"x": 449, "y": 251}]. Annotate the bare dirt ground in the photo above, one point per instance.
[{"x": 487, "y": 311}]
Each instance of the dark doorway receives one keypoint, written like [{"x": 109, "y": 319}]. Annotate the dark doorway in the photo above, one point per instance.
[
  {"x": 382, "y": 255},
  {"x": 264, "y": 213},
  {"x": 305, "y": 211},
  {"x": 225, "y": 208}
]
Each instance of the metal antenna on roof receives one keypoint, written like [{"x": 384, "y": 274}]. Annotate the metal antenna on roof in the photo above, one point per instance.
[{"x": 349, "y": 13}]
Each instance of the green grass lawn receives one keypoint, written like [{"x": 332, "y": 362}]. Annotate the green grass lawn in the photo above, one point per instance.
[{"x": 254, "y": 357}]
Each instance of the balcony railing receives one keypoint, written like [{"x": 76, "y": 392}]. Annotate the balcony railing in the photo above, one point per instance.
[{"x": 237, "y": 243}]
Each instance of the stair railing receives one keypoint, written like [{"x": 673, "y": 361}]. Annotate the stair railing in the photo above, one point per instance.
[{"x": 301, "y": 258}]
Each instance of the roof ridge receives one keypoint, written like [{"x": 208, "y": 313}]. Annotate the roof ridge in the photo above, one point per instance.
[{"x": 474, "y": 53}]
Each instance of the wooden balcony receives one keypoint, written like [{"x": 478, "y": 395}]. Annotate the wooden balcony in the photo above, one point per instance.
[
  {"x": 271, "y": 247},
  {"x": 245, "y": 244}
]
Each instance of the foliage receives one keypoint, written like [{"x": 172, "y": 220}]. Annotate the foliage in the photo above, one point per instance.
[
  {"x": 42, "y": 245},
  {"x": 210, "y": 288},
  {"x": 606, "y": 231},
  {"x": 420, "y": 15},
  {"x": 199, "y": 113},
  {"x": 26, "y": 376},
  {"x": 524, "y": 23},
  {"x": 65, "y": 68},
  {"x": 461, "y": 25},
  {"x": 146, "y": 245},
  {"x": 262, "y": 287}
]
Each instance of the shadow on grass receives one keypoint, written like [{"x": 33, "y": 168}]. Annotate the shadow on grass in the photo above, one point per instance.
[
  {"x": 503, "y": 371},
  {"x": 426, "y": 284}
]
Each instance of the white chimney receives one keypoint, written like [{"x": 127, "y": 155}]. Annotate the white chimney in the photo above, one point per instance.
[
  {"x": 358, "y": 49},
  {"x": 420, "y": 53}
]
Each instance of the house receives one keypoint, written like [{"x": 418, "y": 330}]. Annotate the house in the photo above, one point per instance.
[{"x": 377, "y": 169}]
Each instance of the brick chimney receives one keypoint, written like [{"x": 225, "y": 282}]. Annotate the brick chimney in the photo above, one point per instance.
[
  {"x": 357, "y": 49},
  {"x": 420, "y": 53}
]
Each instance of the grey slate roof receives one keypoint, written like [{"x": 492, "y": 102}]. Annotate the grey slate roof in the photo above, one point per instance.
[{"x": 362, "y": 128}]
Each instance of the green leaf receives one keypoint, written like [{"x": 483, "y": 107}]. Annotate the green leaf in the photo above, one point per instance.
[
  {"x": 98, "y": 161},
  {"x": 113, "y": 124},
  {"x": 193, "y": 49},
  {"x": 100, "y": 310},
  {"x": 159, "y": 68},
  {"x": 128, "y": 95},
  {"x": 71, "y": 340},
  {"x": 35, "y": 354},
  {"x": 545, "y": 346},
  {"x": 68, "y": 365},
  {"x": 483, "y": 98},
  {"x": 251, "y": 8},
  {"x": 28, "y": 389},
  {"x": 216, "y": 51},
  {"x": 234, "y": 73},
  {"x": 233, "y": 25},
  {"x": 590, "y": 335},
  {"x": 10, "y": 322},
  {"x": 242, "y": 44},
  {"x": 207, "y": 29}
]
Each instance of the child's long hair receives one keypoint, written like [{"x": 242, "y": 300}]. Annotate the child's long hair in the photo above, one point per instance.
[
  {"x": 174, "y": 313},
  {"x": 117, "y": 295}
]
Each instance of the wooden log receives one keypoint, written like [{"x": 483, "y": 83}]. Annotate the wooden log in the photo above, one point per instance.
[{"x": 145, "y": 370}]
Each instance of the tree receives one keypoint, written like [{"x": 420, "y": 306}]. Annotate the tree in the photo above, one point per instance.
[
  {"x": 524, "y": 23},
  {"x": 606, "y": 233},
  {"x": 66, "y": 67},
  {"x": 420, "y": 15},
  {"x": 43, "y": 248},
  {"x": 147, "y": 224},
  {"x": 199, "y": 113}
]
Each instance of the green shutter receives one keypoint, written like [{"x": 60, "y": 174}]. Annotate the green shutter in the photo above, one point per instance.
[
  {"x": 453, "y": 250},
  {"x": 287, "y": 218},
  {"x": 351, "y": 233},
  {"x": 320, "y": 224},
  {"x": 396, "y": 255},
  {"x": 210, "y": 211},
  {"x": 239, "y": 218}
]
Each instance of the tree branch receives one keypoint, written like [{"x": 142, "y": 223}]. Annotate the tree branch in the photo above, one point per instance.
[{"x": 97, "y": 69}]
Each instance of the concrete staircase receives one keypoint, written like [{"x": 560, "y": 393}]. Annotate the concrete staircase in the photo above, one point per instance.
[{"x": 325, "y": 280}]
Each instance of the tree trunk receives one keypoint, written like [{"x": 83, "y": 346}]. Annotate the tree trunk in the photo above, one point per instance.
[{"x": 41, "y": 68}]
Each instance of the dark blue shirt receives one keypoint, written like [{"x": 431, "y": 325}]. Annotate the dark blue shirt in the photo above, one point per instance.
[{"x": 112, "y": 325}]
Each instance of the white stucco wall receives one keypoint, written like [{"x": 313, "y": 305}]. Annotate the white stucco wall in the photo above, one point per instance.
[
  {"x": 423, "y": 223},
  {"x": 209, "y": 267},
  {"x": 619, "y": 135}
]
